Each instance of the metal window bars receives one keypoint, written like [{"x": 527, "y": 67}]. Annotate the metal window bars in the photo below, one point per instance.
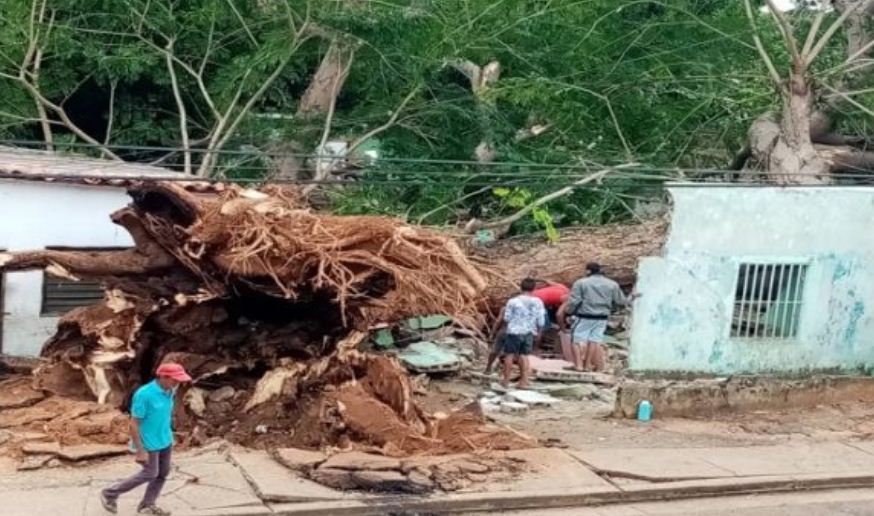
[{"x": 768, "y": 300}]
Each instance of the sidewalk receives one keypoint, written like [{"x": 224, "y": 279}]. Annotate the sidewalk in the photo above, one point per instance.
[{"x": 241, "y": 482}]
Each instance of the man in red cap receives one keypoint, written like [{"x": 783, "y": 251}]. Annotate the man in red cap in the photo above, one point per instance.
[{"x": 151, "y": 432}]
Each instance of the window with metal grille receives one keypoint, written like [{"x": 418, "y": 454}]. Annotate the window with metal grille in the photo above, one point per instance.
[
  {"x": 60, "y": 295},
  {"x": 768, "y": 300}
]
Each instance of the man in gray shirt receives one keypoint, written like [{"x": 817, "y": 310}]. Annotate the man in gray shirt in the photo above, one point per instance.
[{"x": 592, "y": 300}]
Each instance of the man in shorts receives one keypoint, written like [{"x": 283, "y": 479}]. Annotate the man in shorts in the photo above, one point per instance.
[
  {"x": 592, "y": 300},
  {"x": 524, "y": 316}
]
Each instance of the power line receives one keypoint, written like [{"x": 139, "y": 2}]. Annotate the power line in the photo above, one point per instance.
[{"x": 679, "y": 174}]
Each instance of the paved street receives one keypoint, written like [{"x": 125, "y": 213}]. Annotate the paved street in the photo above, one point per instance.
[
  {"x": 855, "y": 502},
  {"x": 228, "y": 481}
]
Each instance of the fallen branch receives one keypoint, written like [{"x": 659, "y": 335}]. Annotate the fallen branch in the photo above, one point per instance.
[{"x": 476, "y": 225}]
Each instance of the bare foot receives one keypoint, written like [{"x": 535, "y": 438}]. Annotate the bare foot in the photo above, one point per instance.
[{"x": 522, "y": 386}]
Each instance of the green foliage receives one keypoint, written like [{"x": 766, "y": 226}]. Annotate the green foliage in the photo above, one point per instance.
[{"x": 664, "y": 83}]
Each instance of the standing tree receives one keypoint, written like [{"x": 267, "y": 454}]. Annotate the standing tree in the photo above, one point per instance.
[{"x": 801, "y": 144}]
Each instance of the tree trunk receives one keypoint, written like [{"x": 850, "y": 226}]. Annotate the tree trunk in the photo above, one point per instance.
[{"x": 328, "y": 80}]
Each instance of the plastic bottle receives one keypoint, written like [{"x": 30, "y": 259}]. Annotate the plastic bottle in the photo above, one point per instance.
[{"x": 644, "y": 411}]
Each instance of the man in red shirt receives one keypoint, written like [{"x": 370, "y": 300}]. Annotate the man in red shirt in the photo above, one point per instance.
[{"x": 552, "y": 295}]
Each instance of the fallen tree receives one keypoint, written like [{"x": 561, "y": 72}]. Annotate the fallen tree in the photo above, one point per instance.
[{"x": 265, "y": 303}]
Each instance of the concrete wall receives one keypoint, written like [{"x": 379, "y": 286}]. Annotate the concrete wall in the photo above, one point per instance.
[
  {"x": 682, "y": 320},
  {"x": 36, "y": 215}
]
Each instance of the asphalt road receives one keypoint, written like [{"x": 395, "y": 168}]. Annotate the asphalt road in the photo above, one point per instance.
[{"x": 854, "y": 502}]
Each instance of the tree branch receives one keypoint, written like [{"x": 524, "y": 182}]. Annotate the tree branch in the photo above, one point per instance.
[
  {"x": 242, "y": 22},
  {"x": 785, "y": 30},
  {"x": 833, "y": 28},
  {"x": 769, "y": 64},
  {"x": 476, "y": 225},
  {"x": 812, "y": 33},
  {"x": 459, "y": 200},
  {"x": 111, "y": 114},
  {"x": 388, "y": 125},
  {"x": 180, "y": 105}
]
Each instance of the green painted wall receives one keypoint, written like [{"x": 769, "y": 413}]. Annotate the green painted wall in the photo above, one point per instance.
[{"x": 682, "y": 321}]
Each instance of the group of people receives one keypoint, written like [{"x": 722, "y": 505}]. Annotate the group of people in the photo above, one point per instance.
[{"x": 580, "y": 313}]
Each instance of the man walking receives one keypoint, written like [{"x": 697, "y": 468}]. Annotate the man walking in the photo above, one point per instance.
[
  {"x": 525, "y": 316},
  {"x": 591, "y": 301},
  {"x": 151, "y": 433}
]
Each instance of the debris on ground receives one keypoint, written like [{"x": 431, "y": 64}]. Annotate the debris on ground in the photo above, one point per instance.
[
  {"x": 562, "y": 371},
  {"x": 265, "y": 303},
  {"x": 427, "y": 357},
  {"x": 420, "y": 474}
]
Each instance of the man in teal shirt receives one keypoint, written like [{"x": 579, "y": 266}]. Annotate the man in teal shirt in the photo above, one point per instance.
[{"x": 151, "y": 432}]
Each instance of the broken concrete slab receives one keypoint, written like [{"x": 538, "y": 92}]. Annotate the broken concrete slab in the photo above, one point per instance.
[
  {"x": 91, "y": 451},
  {"x": 651, "y": 464},
  {"x": 428, "y": 322},
  {"x": 511, "y": 407},
  {"x": 427, "y": 357},
  {"x": 74, "y": 453},
  {"x": 545, "y": 469},
  {"x": 37, "y": 448},
  {"x": 18, "y": 393},
  {"x": 387, "y": 481},
  {"x": 531, "y": 398},
  {"x": 361, "y": 461},
  {"x": 299, "y": 460},
  {"x": 546, "y": 369},
  {"x": 334, "y": 477},
  {"x": 13, "y": 418},
  {"x": 32, "y": 462},
  {"x": 383, "y": 339},
  {"x": 275, "y": 483}
]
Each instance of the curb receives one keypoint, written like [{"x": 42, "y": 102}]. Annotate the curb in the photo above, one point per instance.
[{"x": 472, "y": 502}]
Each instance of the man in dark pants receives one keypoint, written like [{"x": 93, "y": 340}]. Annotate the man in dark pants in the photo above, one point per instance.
[{"x": 151, "y": 432}]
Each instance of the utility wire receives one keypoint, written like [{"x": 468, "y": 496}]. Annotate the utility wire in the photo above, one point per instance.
[{"x": 678, "y": 174}]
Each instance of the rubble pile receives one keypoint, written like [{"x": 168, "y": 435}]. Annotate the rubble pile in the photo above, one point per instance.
[{"x": 265, "y": 303}]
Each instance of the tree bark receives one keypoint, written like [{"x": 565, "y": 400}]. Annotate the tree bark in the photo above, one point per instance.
[{"x": 328, "y": 80}]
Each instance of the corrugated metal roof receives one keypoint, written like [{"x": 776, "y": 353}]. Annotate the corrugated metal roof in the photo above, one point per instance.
[{"x": 34, "y": 165}]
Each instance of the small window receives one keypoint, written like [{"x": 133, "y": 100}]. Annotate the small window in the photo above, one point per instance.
[
  {"x": 768, "y": 299},
  {"x": 60, "y": 295}
]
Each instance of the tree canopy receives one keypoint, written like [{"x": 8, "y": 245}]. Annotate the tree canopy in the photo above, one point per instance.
[{"x": 472, "y": 108}]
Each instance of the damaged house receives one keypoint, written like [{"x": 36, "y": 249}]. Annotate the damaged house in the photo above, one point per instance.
[
  {"x": 46, "y": 203},
  {"x": 759, "y": 280}
]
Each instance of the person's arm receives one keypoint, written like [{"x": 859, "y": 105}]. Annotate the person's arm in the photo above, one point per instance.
[
  {"x": 619, "y": 299},
  {"x": 499, "y": 320},
  {"x": 541, "y": 321},
  {"x": 575, "y": 298},
  {"x": 138, "y": 411},
  {"x": 561, "y": 316},
  {"x": 142, "y": 455}
]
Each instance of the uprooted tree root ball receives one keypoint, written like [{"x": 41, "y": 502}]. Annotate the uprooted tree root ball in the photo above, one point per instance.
[{"x": 265, "y": 303}]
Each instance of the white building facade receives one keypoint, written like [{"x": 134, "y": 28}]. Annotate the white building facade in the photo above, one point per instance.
[{"x": 39, "y": 215}]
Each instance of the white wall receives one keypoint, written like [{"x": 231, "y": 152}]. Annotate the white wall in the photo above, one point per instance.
[
  {"x": 682, "y": 320},
  {"x": 36, "y": 215}
]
